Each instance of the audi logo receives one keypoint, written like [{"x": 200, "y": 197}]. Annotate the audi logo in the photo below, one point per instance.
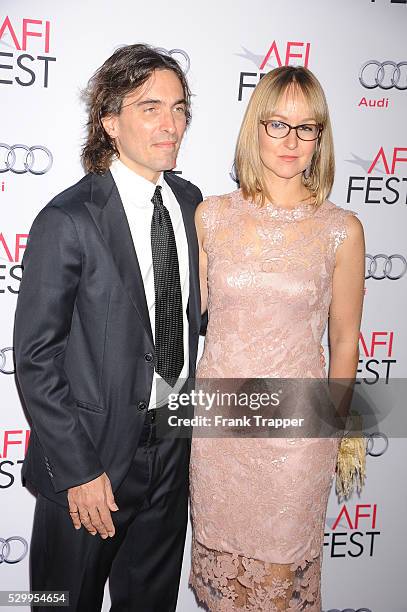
[
  {"x": 20, "y": 159},
  {"x": 384, "y": 75},
  {"x": 7, "y": 360},
  {"x": 382, "y": 266},
  {"x": 181, "y": 57},
  {"x": 13, "y": 549},
  {"x": 377, "y": 444}
]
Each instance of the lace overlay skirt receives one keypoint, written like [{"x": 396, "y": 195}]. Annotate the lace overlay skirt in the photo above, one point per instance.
[
  {"x": 227, "y": 582},
  {"x": 258, "y": 510}
]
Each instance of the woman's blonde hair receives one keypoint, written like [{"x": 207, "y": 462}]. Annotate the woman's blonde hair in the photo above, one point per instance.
[{"x": 263, "y": 103}]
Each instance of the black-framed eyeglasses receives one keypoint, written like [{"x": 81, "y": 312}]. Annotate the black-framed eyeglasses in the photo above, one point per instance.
[{"x": 280, "y": 129}]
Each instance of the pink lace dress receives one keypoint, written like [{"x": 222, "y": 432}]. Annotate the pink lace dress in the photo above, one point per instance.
[{"x": 258, "y": 504}]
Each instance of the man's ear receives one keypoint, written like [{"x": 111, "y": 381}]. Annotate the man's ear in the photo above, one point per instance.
[{"x": 109, "y": 124}]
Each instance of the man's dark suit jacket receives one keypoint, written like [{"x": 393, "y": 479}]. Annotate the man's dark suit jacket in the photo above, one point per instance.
[{"x": 83, "y": 344}]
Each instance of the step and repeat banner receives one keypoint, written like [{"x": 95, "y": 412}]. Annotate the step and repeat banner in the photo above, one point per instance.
[{"x": 358, "y": 50}]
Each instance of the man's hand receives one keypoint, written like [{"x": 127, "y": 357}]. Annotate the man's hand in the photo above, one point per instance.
[{"x": 90, "y": 505}]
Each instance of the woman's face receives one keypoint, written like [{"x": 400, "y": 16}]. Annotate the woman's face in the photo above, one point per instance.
[{"x": 289, "y": 156}]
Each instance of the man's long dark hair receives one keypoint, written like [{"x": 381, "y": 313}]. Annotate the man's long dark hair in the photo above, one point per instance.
[{"x": 125, "y": 71}]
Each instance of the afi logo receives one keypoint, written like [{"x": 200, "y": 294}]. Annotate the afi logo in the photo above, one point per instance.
[
  {"x": 369, "y": 348},
  {"x": 13, "y": 251},
  {"x": 352, "y": 521},
  {"x": 13, "y": 447},
  {"x": 290, "y": 53},
  {"x": 388, "y": 188},
  {"x": 353, "y": 532},
  {"x": 20, "y": 38},
  {"x": 11, "y": 438},
  {"x": 376, "y": 357},
  {"x": 275, "y": 55},
  {"x": 390, "y": 161},
  {"x": 32, "y": 35}
]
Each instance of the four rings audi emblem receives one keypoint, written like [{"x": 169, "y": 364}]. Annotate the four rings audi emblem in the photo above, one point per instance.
[
  {"x": 376, "y": 444},
  {"x": 7, "y": 360},
  {"x": 180, "y": 56},
  {"x": 20, "y": 159},
  {"x": 383, "y": 266},
  {"x": 384, "y": 75},
  {"x": 13, "y": 549}
]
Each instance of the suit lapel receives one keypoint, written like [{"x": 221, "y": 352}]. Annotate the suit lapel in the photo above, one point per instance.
[{"x": 107, "y": 211}]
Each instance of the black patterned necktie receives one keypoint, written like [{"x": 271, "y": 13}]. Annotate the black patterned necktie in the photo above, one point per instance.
[{"x": 169, "y": 339}]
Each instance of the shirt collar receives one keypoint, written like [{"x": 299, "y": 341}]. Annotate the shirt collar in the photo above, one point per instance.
[{"x": 133, "y": 188}]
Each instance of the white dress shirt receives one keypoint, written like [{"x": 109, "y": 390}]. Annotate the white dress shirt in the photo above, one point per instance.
[{"x": 136, "y": 193}]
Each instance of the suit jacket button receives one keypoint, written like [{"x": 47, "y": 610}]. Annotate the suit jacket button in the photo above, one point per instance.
[
  {"x": 148, "y": 357},
  {"x": 142, "y": 406}
]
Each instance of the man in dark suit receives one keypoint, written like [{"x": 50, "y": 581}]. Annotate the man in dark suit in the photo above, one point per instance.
[{"x": 109, "y": 306}]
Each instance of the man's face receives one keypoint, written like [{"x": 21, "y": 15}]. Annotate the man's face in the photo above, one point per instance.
[{"x": 149, "y": 129}]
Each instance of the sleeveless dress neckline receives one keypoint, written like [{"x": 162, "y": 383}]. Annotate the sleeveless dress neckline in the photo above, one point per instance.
[{"x": 302, "y": 210}]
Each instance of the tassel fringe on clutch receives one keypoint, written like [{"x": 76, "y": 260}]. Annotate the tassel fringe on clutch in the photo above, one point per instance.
[{"x": 351, "y": 463}]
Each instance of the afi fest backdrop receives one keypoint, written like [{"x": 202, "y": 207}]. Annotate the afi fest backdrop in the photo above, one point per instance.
[{"x": 358, "y": 50}]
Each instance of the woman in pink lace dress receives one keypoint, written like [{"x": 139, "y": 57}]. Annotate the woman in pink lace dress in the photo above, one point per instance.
[{"x": 276, "y": 260}]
